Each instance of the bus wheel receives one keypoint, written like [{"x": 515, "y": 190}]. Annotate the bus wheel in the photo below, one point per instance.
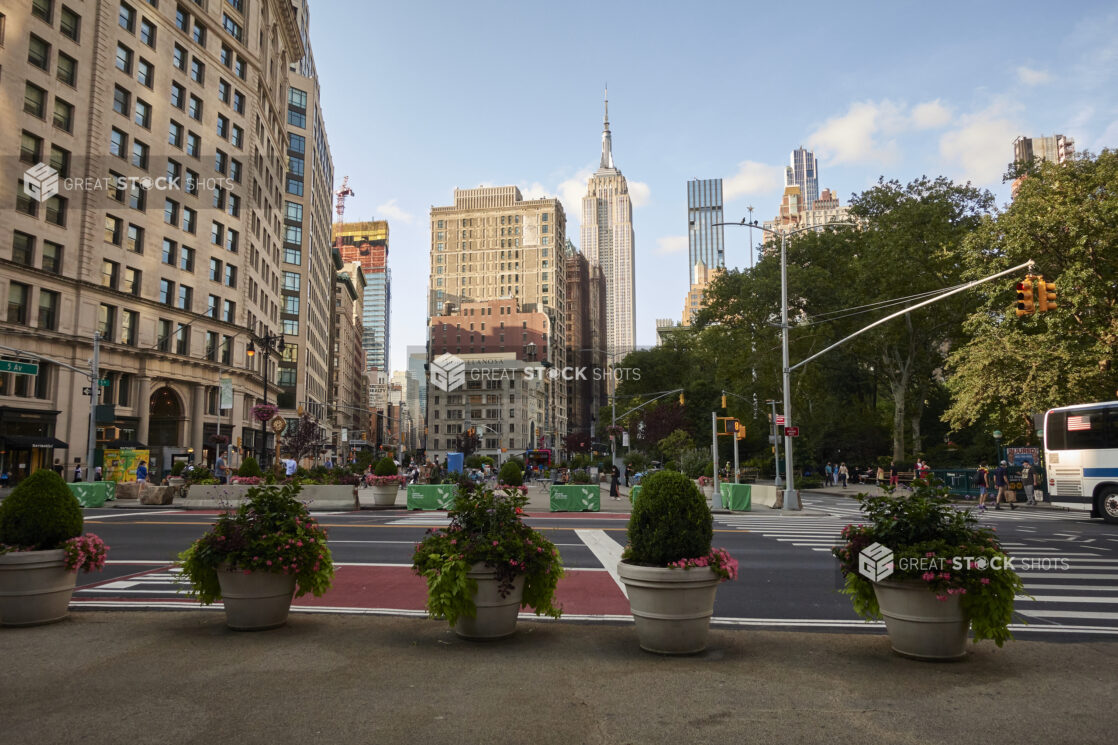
[{"x": 1108, "y": 504}]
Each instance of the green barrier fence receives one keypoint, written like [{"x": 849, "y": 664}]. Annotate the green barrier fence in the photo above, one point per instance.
[
  {"x": 93, "y": 493},
  {"x": 736, "y": 497},
  {"x": 576, "y": 498},
  {"x": 432, "y": 496}
]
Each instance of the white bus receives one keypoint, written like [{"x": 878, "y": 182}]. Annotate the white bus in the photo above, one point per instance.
[{"x": 1081, "y": 458}]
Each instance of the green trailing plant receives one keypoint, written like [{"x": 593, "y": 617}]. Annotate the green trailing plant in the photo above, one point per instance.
[
  {"x": 511, "y": 474},
  {"x": 936, "y": 545},
  {"x": 671, "y": 526},
  {"x": 486, "y": 528},
  {"x": 272, "y": 531},
  {"x": 250, "y": 468},
  {"x": 40, "y": 514}
]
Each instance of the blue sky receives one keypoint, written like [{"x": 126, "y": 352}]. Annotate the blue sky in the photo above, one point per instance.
[{"x": 421, "y": 97}]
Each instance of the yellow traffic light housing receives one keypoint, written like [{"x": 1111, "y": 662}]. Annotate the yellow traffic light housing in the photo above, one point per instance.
[
  {"x": 681, "y": 399},
  {"x": 1025, "y": 302},
  {"x": 1046, "y": 295},
  {"x": 723, "y": 400}
]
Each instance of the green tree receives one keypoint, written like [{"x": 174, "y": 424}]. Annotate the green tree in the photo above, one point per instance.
[
  {"x": 1065, "y": 218},
  {"x": 674, "y": 444}
]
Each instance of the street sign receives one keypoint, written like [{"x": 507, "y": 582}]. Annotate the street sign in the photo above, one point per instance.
[
  {"x": 104, "y": 382},
  {"x": 780, "y": 420},
  {"x": 792, "y": 431},
  {"x": 87, "y": 391},
  {"x": 20, "y": 368}
]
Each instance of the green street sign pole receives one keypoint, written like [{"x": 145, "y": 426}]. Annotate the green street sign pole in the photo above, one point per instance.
[{"x": 19, "y": 368}]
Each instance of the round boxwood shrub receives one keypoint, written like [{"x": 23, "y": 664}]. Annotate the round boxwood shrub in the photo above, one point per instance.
[
  {"x": 510, "y": 474},
  {"x": 385, "y": 467},
  {"x": 670, "y": 521},
  {"x": 249, "y": 467},
  {"x": 41, "y": 513},
  {"x": 580, "y": 477}
]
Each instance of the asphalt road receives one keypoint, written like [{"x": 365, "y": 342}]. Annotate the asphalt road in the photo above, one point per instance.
[{"x": 788, "y": 578}]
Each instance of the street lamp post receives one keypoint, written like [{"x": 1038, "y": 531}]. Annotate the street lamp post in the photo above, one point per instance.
[
  {"x": 266, "y": 343},
  {"x": 791, "y": 497}
]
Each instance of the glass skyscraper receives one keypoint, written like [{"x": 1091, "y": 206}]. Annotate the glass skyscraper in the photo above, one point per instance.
[
  {"x": 705, "y": 242},
  {"x": 804, "y": 173}
]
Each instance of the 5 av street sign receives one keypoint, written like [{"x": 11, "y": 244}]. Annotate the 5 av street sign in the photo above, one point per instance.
[{"x": 20, "y": 368}]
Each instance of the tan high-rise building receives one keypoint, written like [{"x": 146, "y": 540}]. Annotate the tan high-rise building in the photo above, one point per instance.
[
  {"x": 1055, "y": 149},
  {"x": 165, "y": 125},
  {"x": 350, "y": 384},
  {"x": 586, "y": 313},
  {"x": 608, "y": 242},
  {"x": 306, "y": 266},
  {"x": 492, "y": 244},
  {"x": 696, "y": 296}
]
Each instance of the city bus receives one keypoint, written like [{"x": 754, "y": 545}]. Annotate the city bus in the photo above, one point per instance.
[{"x": 1081, "y": 458}]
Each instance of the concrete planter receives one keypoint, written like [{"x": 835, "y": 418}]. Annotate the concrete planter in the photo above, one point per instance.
[
  {"x": 320, "y": 497},
  {"x": 93, "y": 493},
  {"x": 382, "y": 496},
  {"x": 920, "y": 626},
  {"x": 255, "y": 601},
  {"x": 671, "y": 607},
  {"x": 35, "y": 587},
  {"x": 496, "y": 615}
]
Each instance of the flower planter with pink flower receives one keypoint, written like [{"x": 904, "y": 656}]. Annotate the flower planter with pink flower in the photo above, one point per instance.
[
  {"x": 264, "y": 412},
  {"x": 669, "y": 569},
  {"x": 42, "y": 550},
  {"x": 259, "y": 556}
]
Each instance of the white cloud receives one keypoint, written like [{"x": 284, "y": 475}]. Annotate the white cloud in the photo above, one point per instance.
[
  {"x": 571, "y": 192},
  {"x": 639, "y": 193},
  {"x": 981, "y": 147},
  {"x": 853, "y": 137},
  {"x": 671, "y": 244},
  {"x": 752, "y": 178},
  {"x": 1029, "y": 76},
  {"x": 535, "y": 190},
  {"x": 930, "y": 115},
  {"x": 392, "y": 211}
]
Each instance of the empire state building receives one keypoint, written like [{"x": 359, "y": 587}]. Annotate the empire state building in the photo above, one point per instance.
[{"x": 607, "y": 241}]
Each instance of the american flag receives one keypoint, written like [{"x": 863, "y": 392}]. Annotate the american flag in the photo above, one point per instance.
[{"x": 1076, "y": 423}]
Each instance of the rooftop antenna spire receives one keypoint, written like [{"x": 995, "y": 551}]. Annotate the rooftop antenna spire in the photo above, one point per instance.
[{"x": 607, "y": 140}]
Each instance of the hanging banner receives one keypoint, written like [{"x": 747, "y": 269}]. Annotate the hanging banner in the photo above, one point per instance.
[{"x": 226, "y": 394}]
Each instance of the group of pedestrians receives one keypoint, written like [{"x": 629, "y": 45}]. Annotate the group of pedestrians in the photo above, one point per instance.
[
  {"x": 836, "y": 474},
  {"x": 1032, "y": 480}
]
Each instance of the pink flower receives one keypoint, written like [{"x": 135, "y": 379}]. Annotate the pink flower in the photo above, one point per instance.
[
  {"x": 269, "y": 562},
  {"x": 928, "y": 576},
  {"x": 985, "y": 580},
  {"x": 494, "y": 543}
]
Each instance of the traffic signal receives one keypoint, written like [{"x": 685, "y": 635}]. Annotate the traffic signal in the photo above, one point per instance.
[
  {"x": 1025, "y": 303},
  {"x": 723, "y": 400},
  {"x": 741, "y": 430},
  {"x": 1046, "y": 294},
  {"x": 681, "y": 399}
]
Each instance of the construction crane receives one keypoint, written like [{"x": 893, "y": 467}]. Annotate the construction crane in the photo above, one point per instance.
[{"x": 341, "y": 194}]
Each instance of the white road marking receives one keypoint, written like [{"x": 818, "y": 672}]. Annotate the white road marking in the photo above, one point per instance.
[{"x": 606, "y": 550}]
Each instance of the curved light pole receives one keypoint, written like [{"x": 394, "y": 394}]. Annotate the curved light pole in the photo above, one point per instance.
[{"x": 791, "y": 496}]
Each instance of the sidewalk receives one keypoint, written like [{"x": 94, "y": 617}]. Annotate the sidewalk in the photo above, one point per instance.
[{"x": 173, "y": 677}]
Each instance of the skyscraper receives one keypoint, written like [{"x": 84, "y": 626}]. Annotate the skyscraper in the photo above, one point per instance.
[
  {"x": 804, "y": 173},
  {"x": 367, "y": 244},
  {"x": 1056, "y": 149},
  {"x": 608, "y": 241},
  {"x": 705, "y": 242}
]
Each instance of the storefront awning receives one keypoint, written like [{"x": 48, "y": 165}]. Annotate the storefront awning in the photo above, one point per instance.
[{"x": 31, "y": 441}]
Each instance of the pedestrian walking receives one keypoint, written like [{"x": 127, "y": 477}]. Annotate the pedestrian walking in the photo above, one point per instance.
[
  {"x": 1038, "y": 484},
  {"x": 628, "y": 473},
  {"x": 290, "y": 466},
  {"x": 880, "y": 476},
  {"x": 141, "y": 473},
  {"x": 77, "y": 472},
  {"x": 1001, "y": 482},
  {"x": 982, "y": 481},
  {"x": 97, "y": 473},
  {"x": 220, "y": 469},
  {"x": 1027, "y": 483},
  {"x": 828, "y": 474},
  {"x": 893, "y": 473},
  {"x": 843, "y": 474},
  {"x": 615, "y": 476}
]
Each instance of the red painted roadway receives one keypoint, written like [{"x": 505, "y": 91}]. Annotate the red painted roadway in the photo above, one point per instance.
[{"x": 397, "y": 588}]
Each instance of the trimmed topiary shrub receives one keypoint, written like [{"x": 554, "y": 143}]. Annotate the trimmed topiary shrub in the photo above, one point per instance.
[
  {"x": 41, "y": 513},
  {"x": 510, "y": 474},
  {"x": 385, "y": 467},
  {"x": 178, "y": 467},
  {"x": 670, "y": 521},
  {"x": 580, "y": 477},
  {"x": 250, "y": 468}
]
